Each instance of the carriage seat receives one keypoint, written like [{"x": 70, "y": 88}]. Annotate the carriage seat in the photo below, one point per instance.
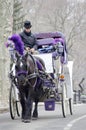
[
  {"x": 50, "y": 39},
  {"x": 46, "y": 41},
  {"x": 46, "y": 45}
]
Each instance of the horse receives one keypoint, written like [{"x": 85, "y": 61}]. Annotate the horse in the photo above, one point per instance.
[{"x": 29, "y": 84}]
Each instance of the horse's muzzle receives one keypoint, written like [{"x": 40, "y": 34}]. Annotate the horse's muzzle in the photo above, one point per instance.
[{"x": 21, "y": 79}]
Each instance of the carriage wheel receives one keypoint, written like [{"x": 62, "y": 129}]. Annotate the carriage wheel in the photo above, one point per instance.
[
  {"x": 18, "y": 108},
  {"x": 13, "y": 103},
  {"x": 71, "y": 106},
  {"x": 64, "y": 100}
]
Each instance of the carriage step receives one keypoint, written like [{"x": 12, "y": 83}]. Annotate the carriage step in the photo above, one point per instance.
[{"x": 49, "y": 104}]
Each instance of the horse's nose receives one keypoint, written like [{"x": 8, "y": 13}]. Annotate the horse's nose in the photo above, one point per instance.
[{"x": 21, "y": 79}]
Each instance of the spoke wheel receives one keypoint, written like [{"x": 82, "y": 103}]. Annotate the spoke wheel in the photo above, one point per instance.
[
  {"x": 64, "y": 100},
  {"x": 18, "y": 108},
  {"x": 71, "y": 106},
  {"x": 12, "y": 102}
]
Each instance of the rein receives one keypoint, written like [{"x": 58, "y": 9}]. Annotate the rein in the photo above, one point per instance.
[
  {"x": 35, "y": 68},
  {"x": 35, "y": 73}
]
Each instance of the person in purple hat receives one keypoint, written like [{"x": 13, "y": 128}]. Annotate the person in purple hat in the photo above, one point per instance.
[{"x": 28, "y": 38}]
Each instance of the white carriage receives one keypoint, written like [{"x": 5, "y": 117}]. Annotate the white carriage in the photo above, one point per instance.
[{"x": 52, "y": 49}]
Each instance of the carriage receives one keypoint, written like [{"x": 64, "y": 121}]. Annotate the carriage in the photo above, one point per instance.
[{"x": 58, "y": 88}]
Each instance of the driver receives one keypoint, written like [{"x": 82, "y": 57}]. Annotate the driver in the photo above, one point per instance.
[{"x": 28, "y": 38}]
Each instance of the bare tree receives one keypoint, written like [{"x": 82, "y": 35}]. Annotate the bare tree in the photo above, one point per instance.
[
  {"x": 18, "y": 16},
  {"x": 67, "y": 20},
  {"x": 5, "y": 30}
]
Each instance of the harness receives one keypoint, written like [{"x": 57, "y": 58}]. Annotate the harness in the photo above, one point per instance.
[{"x": 42, "y": 75}]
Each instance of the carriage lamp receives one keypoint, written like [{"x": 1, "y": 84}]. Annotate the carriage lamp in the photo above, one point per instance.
[
  {"x": 60, "y": 48},
  {"x": 61, "y": 77}
]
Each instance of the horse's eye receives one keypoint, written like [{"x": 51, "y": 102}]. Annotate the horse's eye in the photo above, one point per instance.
[{"x": 16, "y": 67}]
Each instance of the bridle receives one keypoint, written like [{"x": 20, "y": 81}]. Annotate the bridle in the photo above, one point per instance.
[{"x": 27, "y": 75}]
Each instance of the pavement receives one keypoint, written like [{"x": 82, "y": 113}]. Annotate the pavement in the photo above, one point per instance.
[{"x": 4, "y": 108}]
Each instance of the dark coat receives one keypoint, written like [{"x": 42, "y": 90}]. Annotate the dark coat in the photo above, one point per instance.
[{"x": 29, "y": 40}]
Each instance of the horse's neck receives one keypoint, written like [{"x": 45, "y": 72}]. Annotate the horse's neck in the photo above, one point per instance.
[{"x": 31, "y": 64}]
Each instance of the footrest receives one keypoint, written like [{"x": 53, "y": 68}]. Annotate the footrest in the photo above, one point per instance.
[{"x": 49, "y": 104}]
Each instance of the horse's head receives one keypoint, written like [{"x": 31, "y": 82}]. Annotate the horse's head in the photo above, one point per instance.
[{"x": 21, "y": 68}]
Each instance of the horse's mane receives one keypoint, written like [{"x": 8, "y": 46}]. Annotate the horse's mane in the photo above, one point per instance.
[{"x": 19, "y": 45}]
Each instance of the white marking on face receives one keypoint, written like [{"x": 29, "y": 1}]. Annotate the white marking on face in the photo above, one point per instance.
[{"x": 21, "y": 64}]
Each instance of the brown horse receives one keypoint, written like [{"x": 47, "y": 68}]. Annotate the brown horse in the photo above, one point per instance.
[{"x": 29, "y": 84}]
